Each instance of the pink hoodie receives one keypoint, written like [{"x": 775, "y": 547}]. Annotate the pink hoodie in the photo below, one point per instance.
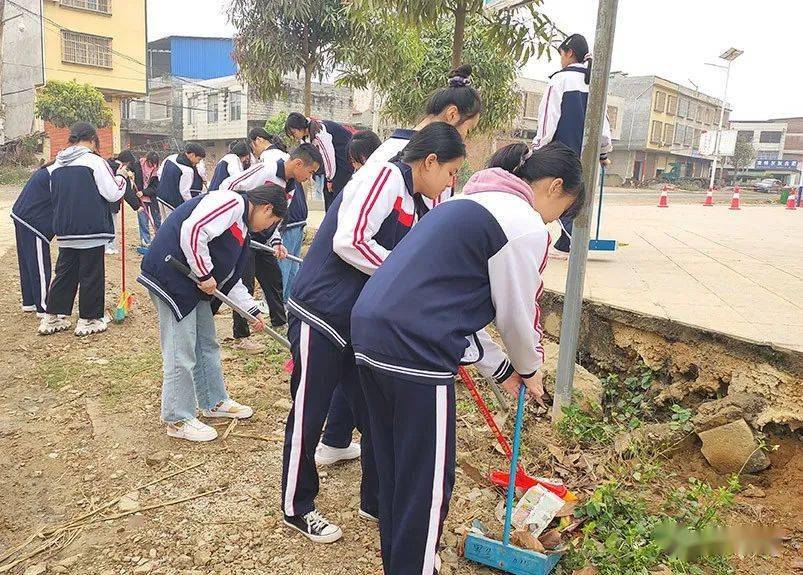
[{"x": 499, "y": 180}]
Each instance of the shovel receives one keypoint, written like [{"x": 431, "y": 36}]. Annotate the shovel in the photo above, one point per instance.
[
  {"x": 502, "y": 555},
  {"x": 523, "y": 481},
  {"x": 183, "y": 269},
  {"x": 270, "y": 250}
]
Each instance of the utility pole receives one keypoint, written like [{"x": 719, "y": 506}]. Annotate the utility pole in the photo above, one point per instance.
[
  {"x": 2, "y": 105},
  {"x": 729, "y": 56},
  {"x": 589, "y": 157}
]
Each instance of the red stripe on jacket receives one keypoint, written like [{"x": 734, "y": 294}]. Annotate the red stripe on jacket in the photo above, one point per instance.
[
  {"x": 196, "y": 231},
  {"x": 362, "y": 221}
]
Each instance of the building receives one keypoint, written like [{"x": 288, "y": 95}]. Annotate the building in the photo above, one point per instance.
[
  {"x": 661, "y": 125},
  {"x": 779, "y": 148},
  {"x": 97, "y": 42}
]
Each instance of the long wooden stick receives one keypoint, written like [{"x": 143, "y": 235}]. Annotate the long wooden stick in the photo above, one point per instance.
[
  {"x": 258, "y": 437},
  {"x": 151, "y": 507}
]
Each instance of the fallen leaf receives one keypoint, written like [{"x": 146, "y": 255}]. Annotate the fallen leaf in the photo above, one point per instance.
[
  {"x": 473, "y": 473},
  {"x": 566, "y": 510},
  {"x": 524, "y": 539},
  {"x": 556, "y": 451},
  {"x": 589, "y": 570},
  {"x": 550, "y": 539}
]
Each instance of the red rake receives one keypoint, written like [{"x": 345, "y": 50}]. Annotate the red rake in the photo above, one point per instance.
[{"x": 523, "y": 481}]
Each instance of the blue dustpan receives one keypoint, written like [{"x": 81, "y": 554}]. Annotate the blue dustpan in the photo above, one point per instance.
[{"x": 502, "y": 555}]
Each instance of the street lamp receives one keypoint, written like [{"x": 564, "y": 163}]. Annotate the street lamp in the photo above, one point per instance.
[{"x": 729, "y": 56}]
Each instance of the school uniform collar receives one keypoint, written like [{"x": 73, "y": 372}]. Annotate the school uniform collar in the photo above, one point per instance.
[
  {"x": 403, "y": 134},
  {"x": 576, "y": 67},
  {"x": 407, "y": 174},
  {"x": 280, "y": 170}
]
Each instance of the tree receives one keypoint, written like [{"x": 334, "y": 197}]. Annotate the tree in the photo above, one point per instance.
[
  {"x": 744, "y": 153},
  {"x": 416, "y": 62},
  {"x": 275, "y": 125},
  {"x": 521, "y": 33},
  {"x": 64, "y": 103},
  {"x": 279, "y": 37}
]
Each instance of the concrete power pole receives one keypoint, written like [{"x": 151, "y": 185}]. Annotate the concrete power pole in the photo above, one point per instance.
[
  {"x": 589, "y": 157},
  {"x": 2, "y": 106}
]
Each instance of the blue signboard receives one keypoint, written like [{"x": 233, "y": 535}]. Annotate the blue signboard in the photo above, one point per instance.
[{"x": 776, "y": 164}]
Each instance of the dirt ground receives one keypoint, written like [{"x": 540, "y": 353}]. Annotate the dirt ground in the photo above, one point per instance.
[{"x": 79, "y": 427}]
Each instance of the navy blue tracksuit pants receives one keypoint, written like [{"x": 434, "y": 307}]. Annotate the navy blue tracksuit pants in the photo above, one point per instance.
[
  {"x": 33, "y": 255},
  {"x": 339, "y": 422},
  {"x": 319, "y": 365},
  {"x": 413, "y": 430}
]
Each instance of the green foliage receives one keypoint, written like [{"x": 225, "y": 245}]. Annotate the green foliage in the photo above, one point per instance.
[
  {"x": 64, "y": 103},
  {"x": 584, "y": 427},
  {"x": 14, "y": 175},
  {"x": 698, "y": 505},
  {"x": 744, "y": 153},
  {"x": 415, "y": 63},
  {"x": 277, "y": 37},
  {"x": 681, "y": 418},
  {"x": 275, "y": 125}
]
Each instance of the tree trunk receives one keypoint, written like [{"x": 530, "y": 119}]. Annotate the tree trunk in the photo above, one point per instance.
[
  {"x": 309, "y": 66},
  {"x": 459, "y": 33}
]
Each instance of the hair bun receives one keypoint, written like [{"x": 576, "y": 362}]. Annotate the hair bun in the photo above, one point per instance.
[{"x": 460, "y": 77}]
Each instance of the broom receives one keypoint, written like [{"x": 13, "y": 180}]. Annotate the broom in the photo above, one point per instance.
[{"x": 126, "y": 298}]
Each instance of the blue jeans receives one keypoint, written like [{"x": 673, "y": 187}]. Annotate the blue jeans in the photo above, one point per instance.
[
  {"x": 291, "y": 239},
  {"x": 193, "y": 378},
  {"x": 144, "y": 222}
]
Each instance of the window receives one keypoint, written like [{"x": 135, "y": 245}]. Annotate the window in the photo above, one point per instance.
[
  {"x": 613, "y": 113},
  {"x": 192, "y": 109},
  {"x": 697, "y": 134},
  {"x": 745, "y": 135},
  {"x": 702, "y": 113},
  {"x": 692, "y": 110},
  {"x": 211, "y": 109},
  {"x": 660, "y": 101},
  {"x": 657, "y": 132},
  {"x": 103, "y": 6},
  {"x": 668, "y": 133},
  {"x": 235, "y": 105},
  {"x": 679, "y": 131},
  {"x": 683, "y": 107},
  {"x": 688, "y": 137},
  {"x": 531, "y": 104},
  {"x": 86, "y": 49},
  {"x": 770, "y": 137},
  {"x": 672, "y": 105},
  {"x": 761, "y": 155}
]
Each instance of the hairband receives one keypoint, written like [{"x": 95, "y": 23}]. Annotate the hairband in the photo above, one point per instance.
[
  {"x": 524, "y": 157},
  {"x": 459, "y": 81}
]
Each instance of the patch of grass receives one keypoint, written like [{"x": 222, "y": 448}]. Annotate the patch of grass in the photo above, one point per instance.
[
  {"x": 585, "y": 427},
  {"x": 14, "y": 175},
  {"x": 681, "y": 418},
  {"x": 55, "y": 373}
]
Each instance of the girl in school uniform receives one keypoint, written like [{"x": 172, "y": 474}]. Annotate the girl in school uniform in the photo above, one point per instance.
[
  {"x": 474, "y": 259},
  {"x": 374, "y": 212},
  {"x": 32, "y": 213},
  {"x": 459, "y": 105},
  {"x": 210, "y": 234},
  {"x": 362, "y": 145},
  {"x": 263, "y": 142},
  {"x": 179, "y": 179},
  {"x": 562, "y": 115},
  {"x": 149, "y": 167},
  {"x": 232, "y": 164},
  {"x": 83, "y": 188}
]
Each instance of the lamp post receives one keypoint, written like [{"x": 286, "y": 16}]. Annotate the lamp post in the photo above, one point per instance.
[{"x": 729, "y": 56}]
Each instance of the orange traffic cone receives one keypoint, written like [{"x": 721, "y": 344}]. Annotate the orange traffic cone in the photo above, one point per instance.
[
  {"x": 735, "y": 199},
  {"x": 663, "y": 201},
  {"x": 709, "y": 198},
  {"x": 791, "y": 200}
]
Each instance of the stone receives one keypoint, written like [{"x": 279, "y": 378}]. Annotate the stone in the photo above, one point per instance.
[
  {"x": 732, "y": 448},
  {"x": 157, "y": 459},
  {"x": 283, "y": 404},
  {"x": 146, "y": 567},
  {"x": 69, "y": 561},
  {"x": 753, "y": 491},
  {"x": 152, "y": 553},
  {"x": 36, "y": 569},
  {"x": 201, "y": 557},
  {"x": 655, "y": 435},
  {"x": 732, "y": 407},
  {"x": 129, "y": 502}
]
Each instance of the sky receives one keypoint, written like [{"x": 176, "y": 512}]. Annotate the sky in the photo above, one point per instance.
[{"x": 673, "y": 39}]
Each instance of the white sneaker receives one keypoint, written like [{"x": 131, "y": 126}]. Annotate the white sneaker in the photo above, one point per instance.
[
  {"x": 314, "y": 527},
  {"x": 230, "y": 409},
  {"x": 28, "y": 308},
  {"x": 192, "y": 430},
  {"x": 367, "y": 516},
  {"x": 326, "y": 455},
  {"x": 248, "y": 346},
  {"x": 112, "y": 252},
  {"x": 90, "y": 326},
  {"x": 52, "y": 323}
]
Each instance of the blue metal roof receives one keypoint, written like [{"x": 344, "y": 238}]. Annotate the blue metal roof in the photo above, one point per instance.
[{"x": 202, "y": 58}]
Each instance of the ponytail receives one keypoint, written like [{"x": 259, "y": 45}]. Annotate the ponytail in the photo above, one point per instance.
[
  {"x": 437, "y": 138},
  {"x": 298, "y": 121},
  {"x": 83, "y": 132},
  {"x": 555, "y": 160},
  {"x": 579, "y": 46},
  {"x": 459, "y": 93}
]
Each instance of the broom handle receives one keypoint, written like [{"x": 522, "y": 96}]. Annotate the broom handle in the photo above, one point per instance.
[
  {"x": 178, "y": 265},
  {"x": 122, "y": 239},
  {"x": 511, "y": 484},
  {"x": 599, "y": 209},
  {"x": 270, "y": 250}
]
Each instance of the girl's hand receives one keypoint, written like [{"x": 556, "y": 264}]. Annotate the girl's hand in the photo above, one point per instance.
[
  {"x": 535, "y": 387},
  {"x": 280, "y": 251},
  {"x": 208, "y": 286},
  {"x": 259, "y": 325},
  {"x": 512, "y": 384}
]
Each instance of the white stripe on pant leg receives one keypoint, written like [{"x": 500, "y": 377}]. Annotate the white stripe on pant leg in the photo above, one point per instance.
[
  {"x": 40, "y": 257},
  {"x": 298, "y": 426},
  {"x": 438, "y": 477}
]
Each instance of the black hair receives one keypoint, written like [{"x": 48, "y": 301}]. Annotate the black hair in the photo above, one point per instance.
[
  {"x": 271, "y": 194},
  {"x": 298, "y": 121},
  {"x": 555, "y": 160},
  {"x": 152, "y": 158},
  {"x": 255, "y": 133},
  {"x": 83, "y": 132},
  {"x": 278, "y": 143},
  {"x": 579, "y": 45},
  {"x": 459, "y": 93},
  {"x": 126, "y": 156},
  {"x": 437, "y": 138},
  {"x": 197, "y": 149},
  {"x": 240, "y": 148},
  {"x": 362, "y": 145},
  {"x": 308, "y": 154}
]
